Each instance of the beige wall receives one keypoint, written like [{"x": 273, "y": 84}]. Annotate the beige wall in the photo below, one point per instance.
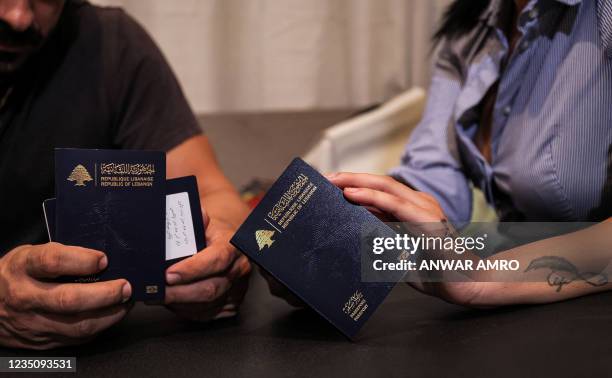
[{"x": 287, "y": 55}]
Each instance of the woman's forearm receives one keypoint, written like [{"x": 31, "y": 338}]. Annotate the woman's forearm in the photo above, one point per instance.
[{"x": 552, "y": 269}]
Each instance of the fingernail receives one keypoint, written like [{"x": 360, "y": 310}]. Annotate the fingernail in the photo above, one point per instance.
[
  {"x": 172, "y": 278},
  {"x": 331, "y": 175},
  {"x": 126, "y": 291},
  {"x": 103, "y": 262},
  {"x": 351, "y": 190}
]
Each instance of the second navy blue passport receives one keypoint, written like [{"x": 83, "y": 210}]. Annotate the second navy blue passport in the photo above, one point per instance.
[
  {"x": 114, "y": 201},
  {"x": 309, "y": 237}
]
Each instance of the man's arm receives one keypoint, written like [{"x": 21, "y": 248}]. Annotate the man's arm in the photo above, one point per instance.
[
  {"x": 196, "y": 157},
  {"x": 150, "y": 111},
  {"x": 212, "y": 283}
]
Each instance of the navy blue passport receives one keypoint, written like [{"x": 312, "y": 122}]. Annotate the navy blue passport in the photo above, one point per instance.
[
  {"x": 114, "y": 201},
  {"x": 309, "y": 237},
  {"x": 184, "y": 223}
]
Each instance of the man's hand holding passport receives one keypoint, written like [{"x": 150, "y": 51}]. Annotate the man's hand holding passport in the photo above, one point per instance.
[{"x": 120, "y": 202}]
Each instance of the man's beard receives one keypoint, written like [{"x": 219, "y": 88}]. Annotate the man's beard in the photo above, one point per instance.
[
  {"x": 11, "y": 62},
  {"x": 17, "y": 46}
]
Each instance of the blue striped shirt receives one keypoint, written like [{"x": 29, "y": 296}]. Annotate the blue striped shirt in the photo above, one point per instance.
[{"x": 551, "y": 131}]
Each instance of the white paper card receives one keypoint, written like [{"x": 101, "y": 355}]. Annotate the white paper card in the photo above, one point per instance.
[{"x": 180, "y": 237}]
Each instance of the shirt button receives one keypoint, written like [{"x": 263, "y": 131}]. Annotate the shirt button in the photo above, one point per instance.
[
  {"x": 533, "y": 13},
  {"x": 507, "y": 110},
  {"x": 524, "y": 45}
]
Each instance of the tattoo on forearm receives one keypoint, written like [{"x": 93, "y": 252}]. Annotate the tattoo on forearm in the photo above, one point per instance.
[{"x": 563, "y": 272}]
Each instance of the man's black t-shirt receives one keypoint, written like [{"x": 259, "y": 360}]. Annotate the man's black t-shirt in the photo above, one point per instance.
[{"x": 98, "y": 82}]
